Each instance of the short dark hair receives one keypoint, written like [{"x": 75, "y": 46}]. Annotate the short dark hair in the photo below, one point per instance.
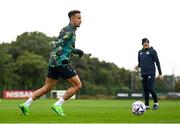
[
  {"x": 145, "y": 40},
  {"x": 73, "y": 12}
]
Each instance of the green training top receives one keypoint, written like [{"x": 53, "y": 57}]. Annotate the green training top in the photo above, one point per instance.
[{"x": 64, "y": 46}]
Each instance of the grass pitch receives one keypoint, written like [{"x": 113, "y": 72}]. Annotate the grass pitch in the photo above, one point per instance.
[{"x": 89, "y": 111}]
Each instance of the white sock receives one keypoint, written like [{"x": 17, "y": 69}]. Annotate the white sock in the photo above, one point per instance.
[
  {"x": 147, "y": 106},
  {"x": 60, "y": 102},
  {"x": 156, "y": 103},
  {"x": 28, "y": 102}
]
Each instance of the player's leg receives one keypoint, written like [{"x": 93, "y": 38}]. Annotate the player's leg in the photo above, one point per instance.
[
  {"x": 49, "y": 84},
  {"x": 76, "y": 85},
  {"x": 152, "y": 91},
  {"x": 146, "y": 91}
]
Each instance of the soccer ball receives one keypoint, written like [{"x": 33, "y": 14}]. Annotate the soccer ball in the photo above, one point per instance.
[{"x": 138, "y": 108}]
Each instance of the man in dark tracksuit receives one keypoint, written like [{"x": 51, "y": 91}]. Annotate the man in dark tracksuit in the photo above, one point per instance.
[{"x": 147, "y": 57}]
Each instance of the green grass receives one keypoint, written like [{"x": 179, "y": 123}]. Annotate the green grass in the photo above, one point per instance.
[{"x": 89, "y": 111}]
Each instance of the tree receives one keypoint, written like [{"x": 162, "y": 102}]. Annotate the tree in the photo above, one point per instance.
[
  {"x": 6, "y": 67},
  {"x": 177, "y": 86},
  {"x": 31, "y": 69},
  {"x": 34, "y": 42}
]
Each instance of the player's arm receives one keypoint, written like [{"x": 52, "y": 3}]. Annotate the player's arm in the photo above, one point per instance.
[
  {"x": 65, "y": 34},
  {"x": 138, "y": 66},
  {"x": 156, "y": 59}
]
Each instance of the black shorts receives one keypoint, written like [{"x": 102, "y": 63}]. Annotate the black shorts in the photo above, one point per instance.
[{"x": 64, "y": 72}]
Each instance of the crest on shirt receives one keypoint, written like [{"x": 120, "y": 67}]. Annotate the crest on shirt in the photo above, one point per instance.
[{"x": 147, "y": 52}]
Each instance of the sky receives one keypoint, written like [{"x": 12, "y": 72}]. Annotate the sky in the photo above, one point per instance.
[{"x": 111, "y": 30}]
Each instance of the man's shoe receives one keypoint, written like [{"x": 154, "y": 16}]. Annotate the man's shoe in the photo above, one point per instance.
[
  {"x": 24, "y": 109},
  {"x": 58, "y": 110},
  {"x": 155, "y": 107},
  {"x": 147, "y": 107}
]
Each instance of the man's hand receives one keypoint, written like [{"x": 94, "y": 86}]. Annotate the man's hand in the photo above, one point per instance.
[
  {"x": 160, "y": 77},
  {"x": 79, "y": 52},
  {"x": 136, "y": 68}
]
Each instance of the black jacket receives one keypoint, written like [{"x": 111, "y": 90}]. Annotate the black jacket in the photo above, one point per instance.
[{"x": 146, "y": 61}]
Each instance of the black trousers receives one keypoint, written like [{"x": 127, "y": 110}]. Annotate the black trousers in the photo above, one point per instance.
[{"x": 148, "y": 87}]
